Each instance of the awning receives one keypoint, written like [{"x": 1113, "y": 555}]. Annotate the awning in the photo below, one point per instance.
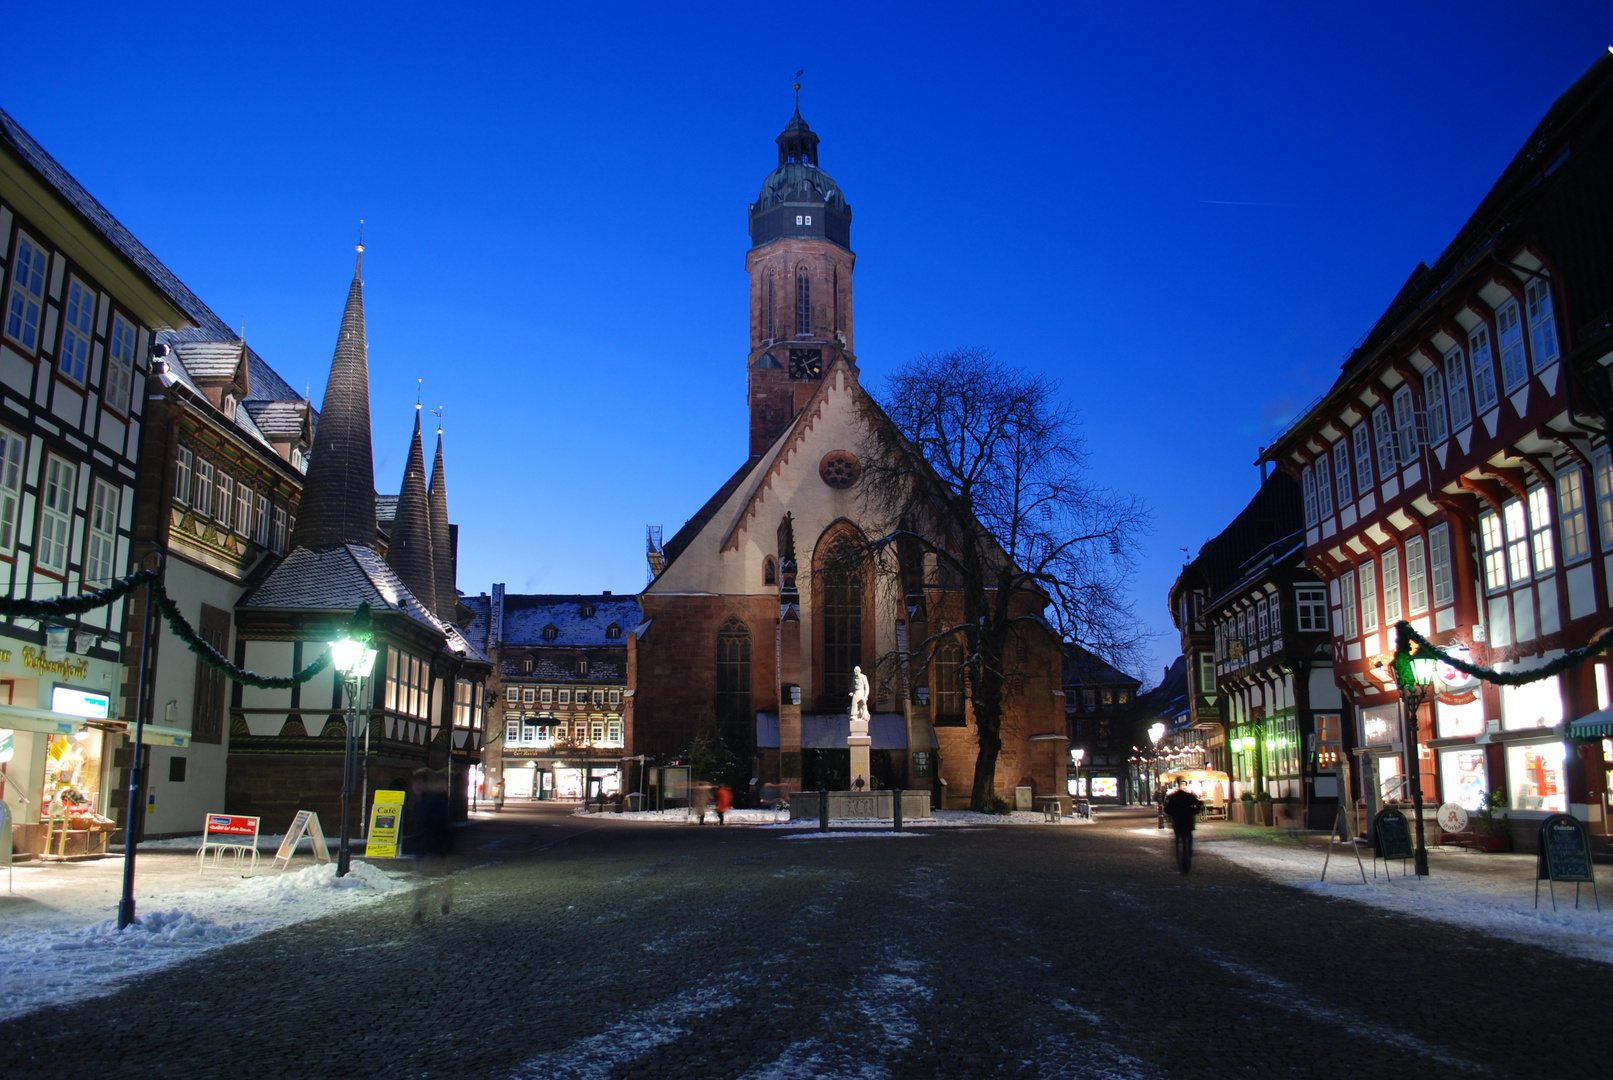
[
  {"x": 52, "y": 723},
  {"x": 1596, "y": 725}
]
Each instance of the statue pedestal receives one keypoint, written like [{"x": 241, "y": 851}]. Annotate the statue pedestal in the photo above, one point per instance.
[{"x": 859, "y": 743}]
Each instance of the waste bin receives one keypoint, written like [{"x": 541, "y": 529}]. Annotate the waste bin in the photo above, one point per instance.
[{"x": 635, "y": 802}]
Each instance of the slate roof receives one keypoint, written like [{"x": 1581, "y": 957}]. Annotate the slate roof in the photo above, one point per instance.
[
  {"x": 277, "y": 419},
  {"x": 211, "y": 360},
  {"x": 548, "y": 670},
  {"x": 337, "y": 579},
  {"x": 481, "y": 612},
  {"x": 460, "y": 644},
  {"x": 386, "y": 508},
  {"x": 1168, "y": 700},
  {"x": 1083, "y": 668},
  {"x": 526, "y": 615}
]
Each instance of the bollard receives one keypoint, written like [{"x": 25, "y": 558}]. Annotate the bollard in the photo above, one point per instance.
[
  {"x": 823, "y": 809},
  {"x": 896, "y": 809}
]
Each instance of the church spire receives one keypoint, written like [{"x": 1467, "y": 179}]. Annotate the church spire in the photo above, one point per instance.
[
  {"x": 409, "y": 550},
  {"x": 338, "y": 496},
  {"x": 442, "y": 543}
]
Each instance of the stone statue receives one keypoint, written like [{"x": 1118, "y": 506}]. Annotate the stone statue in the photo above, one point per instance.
[{"x": 859, "y": 696}]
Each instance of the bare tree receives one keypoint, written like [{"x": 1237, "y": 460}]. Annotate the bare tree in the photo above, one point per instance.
[{"x": 976, "y": 477}]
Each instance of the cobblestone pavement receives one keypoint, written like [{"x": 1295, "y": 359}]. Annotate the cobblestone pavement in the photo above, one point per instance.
[{"x": 592, "y": 948}]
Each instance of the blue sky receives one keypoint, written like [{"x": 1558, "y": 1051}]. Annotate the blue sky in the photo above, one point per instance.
[{"x": 1186, "y": 214}]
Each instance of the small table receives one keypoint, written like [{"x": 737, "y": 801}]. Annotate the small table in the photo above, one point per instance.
[{"x": 1052, "y": 808}]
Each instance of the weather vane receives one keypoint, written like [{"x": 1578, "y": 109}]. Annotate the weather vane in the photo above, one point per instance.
[
  {"x": 798, "y": 75},
  {"x": 437, "y": 412},
  {"x": 418, "y": 385},
  {"x": 361, "y": 234}
]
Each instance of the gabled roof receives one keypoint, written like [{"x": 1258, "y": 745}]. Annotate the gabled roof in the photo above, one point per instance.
[
  {"x": 1275, "y": 512},
  {"x": 337, "y": 579},
  {"x": 1170, "y": 698},
  {"x": 526, "y": 616},
  {"x": 1083, "y": 668},
  {"x": 279, "y": 419},
  {"x": 212, "y": 361}
]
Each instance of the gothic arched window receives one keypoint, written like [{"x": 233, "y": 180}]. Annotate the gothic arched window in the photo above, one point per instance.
[
  {"x": 803, "y": 303},
  {"x": 769, "y": 572},
  {"x": 842, "y": 595},
  {"x": 772, "y": 321},
  {"x": 733, "y": 706},
  {"x": 947, "y": 695}
]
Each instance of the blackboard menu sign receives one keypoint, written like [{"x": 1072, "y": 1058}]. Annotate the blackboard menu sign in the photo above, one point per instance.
[
  {"x": 1565, "y": 850},
  {"x": 1393, "y": 833}
]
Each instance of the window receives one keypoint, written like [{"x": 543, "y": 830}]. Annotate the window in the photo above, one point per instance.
[
  {"x": 1206, "y": 673},
  {"x": 512, "y": 731},
  {"x": 1391, "y": 587},
  {"x": 201, "y": 499},
  {"x": 11, "y": 451},
  {"x": 1439, "y": 560},
  {"x": 1276, "y": 617},
  {"x": 1262, "y": 620},
  {"x": 803, "y": 303},
  {"x": 260, "y": 520},
  {"x": 582, "y": 669},
  {"x": 948, "y": 682},
  {"x": 182, "y": 475},
  {"x": 512, "y": 694},
  {"x": 769, "y": 572},
  {"x": 1495, "y": 551},
  {"x": 1405, "y": 426},
  {"x": 560, "y": 732},
  {"x": 1516, "y": 522},
  {"x": 1106, "y": 696},
  {"x": 1310, "y": 603},
  {"x": 1350, "y": 627},
  {"x": 1571, "y": 508},
  {"x": 1416, "y": 577},
  {"x": 55, "y": 514},
  {"x": 1603, "y": 467},
  {"x": 243, "y": 510},
  {"x": 613, "y": 736},
  {"x": 207, "y": 704},
  {"x": 99, "y": 552},
  {"x": 550, "y": 632},
  {"x": 598, "y": 697},
  {"x": 587, "y": 611},
  {"x": 1478, "y": 350},
  {"x": 565, "y": 696},
  {"x": 1383, "y": 432},
  {"x": 528, "y": 695},
  {"x": 119, "y": 365},
  {"x": 1509, "y": 338},
  {"x": 1324, "y": 488},
  {"x": 1544, "y": 550},
  {"x": 772, "y": 323},
  {"x": 225, "y": 502},
  {"x": 78, "y": 328},
  {"x": 1341, "y": 471},
  {"x": 842, "y": 598},
  {"x": 27, "y": 293},
  {"x": 392, "y": 679},
  {"x": 1542, "y": 327},
  {"x": 596, "y": 731},
  {"x": 613, "y": 631},
  {"x": 1434, "y": 396},
  {"x": 1461, "y": 412},
  {"x": 546, "y": 696},
  {"x": 1089, "y": 698},
  {"x": 464, "y": 711},
  {"x": 1308, "y": 478},
  {"x": 1369, "y": 597},
  {"x": 526, "y": 666},
  {"x": 615, "y": 697},
  {"x": 277, "y": 535},
  {"x": 1362, "y": 442}
]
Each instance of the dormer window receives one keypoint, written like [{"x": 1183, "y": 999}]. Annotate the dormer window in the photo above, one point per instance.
[
  {"x": 227, "y": 406},
  {"x": 582, "y": 667},
  {"x": 526, "y": 666},
  {"x": 587, "y": 611},
  {"x": 613, "y": 631},
  {"x": 550, "y": 633}
]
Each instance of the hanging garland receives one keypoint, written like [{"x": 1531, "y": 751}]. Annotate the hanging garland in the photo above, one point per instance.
[
  {"x": 360, "y": 627},
  {"x": 1406, "y": 638}
]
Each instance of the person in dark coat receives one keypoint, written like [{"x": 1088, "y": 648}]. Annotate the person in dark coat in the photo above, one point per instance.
[{"x": 1183, "y": 808}]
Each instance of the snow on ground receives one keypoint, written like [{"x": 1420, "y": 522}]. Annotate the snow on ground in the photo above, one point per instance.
[
  {"x": 1493, "y": 894},
  {"x": 851, "y": 834},
  {"x": 59, "y": 940},
  {"x": 938, "y": 819}
]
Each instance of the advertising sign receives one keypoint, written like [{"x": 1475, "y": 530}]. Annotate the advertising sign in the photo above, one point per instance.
[
  {"x": 7, "y": 746},
  {"x": 233, "y": 833},
  {"x": 1565, "y": 850},
  {"x": 65, "y": 699},
  {"x": 386, "y": 819},
  {"x": 306, "y": 822},
  {"x": 1393, "y": 834},
  {"x": 1453, "y": 818}
]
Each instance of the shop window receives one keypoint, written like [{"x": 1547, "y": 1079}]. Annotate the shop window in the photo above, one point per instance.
[
  {"x": 1463, "y": 778},
  {"x": 1532, "y": 705},
  {"x": 1327, "y": 741},
  {"x": 1459, "y": 721},
  {"x": 1535, "y": 779}
]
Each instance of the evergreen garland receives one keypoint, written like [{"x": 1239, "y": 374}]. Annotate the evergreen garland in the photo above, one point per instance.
[
  {"x": 1406, "y": 638},
  {"x": 359, "y": 627}
]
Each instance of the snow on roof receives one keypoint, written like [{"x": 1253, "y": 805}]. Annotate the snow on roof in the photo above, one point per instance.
[
  {"x": 338, "y": 580},
  {"x": 210, "y": 360},
  {"x": 526, "y": 616},
  {"x": 278, "y": 418}
]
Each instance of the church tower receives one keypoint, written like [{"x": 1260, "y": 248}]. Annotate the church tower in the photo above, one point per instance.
[{"x": 800, "y": 265}]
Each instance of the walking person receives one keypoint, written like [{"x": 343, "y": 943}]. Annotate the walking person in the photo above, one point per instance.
[
  {"x": 725, "y": 802},
  {"x": 1183, "y": 808},
  {"x": 701, "y": 800},
  {"x": 498, "y": 794}
]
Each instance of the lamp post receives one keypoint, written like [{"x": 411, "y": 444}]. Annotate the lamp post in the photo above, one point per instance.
[
  {"x": 1413, "y": 692},
  {"x": 354, "y": 659}
]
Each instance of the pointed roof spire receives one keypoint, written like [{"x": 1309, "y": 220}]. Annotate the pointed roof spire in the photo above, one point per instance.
[
  {"x": 338, "y": 496},
  {"x": 443, "y": 562},
  {"x": 409, "y": 550}
]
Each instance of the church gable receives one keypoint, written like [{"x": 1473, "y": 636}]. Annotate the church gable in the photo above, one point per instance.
[{"x": 820, "y": 449}]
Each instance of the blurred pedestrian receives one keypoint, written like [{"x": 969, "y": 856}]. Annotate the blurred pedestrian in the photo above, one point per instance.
[
  {"x": 725, "y": 802},
  {"x": 498, "y": 794},
  {"x": 700, "y": 800}
]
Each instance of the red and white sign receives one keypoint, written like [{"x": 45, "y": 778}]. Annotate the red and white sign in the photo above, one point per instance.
[
  {"x": 1452, "y": 818},
  {"x": 222, "y": 825},
  {"x": 234, "y": 833}
]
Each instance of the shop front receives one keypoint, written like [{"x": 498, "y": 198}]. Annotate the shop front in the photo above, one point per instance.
[{"x": 1380, "y": 748}]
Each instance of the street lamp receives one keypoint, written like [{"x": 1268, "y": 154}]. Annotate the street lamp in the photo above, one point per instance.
[
  {"x": 1413, "y": 692},
  {"x": 355, "y": 659}
]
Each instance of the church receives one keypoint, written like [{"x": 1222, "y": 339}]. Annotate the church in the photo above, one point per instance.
[{"x": 752, "y": 630}]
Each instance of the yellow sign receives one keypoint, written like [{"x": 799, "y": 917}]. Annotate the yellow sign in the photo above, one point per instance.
[
  {"x": 386, "y": 818},
  {"x": 70, "y": 669}
]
